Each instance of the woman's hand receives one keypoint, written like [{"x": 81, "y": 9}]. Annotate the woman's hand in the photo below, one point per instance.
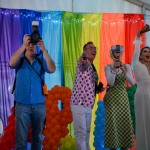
[
  {"x": 138, "y": 35},
  {"x": 122, "y": 67},
  {"x": 117, "y": 63}
]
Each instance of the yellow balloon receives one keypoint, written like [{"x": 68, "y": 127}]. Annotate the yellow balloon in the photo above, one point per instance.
[
  {"x": 62, "y": 147},
  {"x": 62, "y": 141},
  {"x": 67, "y": 146}
]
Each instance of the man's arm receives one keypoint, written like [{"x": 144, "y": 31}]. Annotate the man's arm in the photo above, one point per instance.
[
  {"x": 50, "y": 63},
  {"x": 16, "y": 56}
]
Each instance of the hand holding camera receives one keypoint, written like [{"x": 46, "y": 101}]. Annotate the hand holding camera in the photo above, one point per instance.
[
  {"x": 26, "y": 39},
  {"x": 83, "y": 58},
  {"x": 41, "y": 45},
  {"x": 100, "y": 88},
  {"x": 122, "y": 67},
  {"x": 100, "y": 85},
  {"x": 117, "y": 63},
  {"x": 34, "y": 38}
]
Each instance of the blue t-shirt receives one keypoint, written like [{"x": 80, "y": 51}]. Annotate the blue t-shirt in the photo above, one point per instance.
[{"x": 28, "y": 89}]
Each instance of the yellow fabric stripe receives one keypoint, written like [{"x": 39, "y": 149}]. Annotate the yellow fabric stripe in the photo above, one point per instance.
[{"x": 91, "y": 24}]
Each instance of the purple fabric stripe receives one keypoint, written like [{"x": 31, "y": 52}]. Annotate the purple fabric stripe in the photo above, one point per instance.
[{"x": 9, "y": 42}]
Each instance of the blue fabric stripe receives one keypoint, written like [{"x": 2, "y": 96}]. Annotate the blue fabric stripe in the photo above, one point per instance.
[{"x": 52, "y": 37}]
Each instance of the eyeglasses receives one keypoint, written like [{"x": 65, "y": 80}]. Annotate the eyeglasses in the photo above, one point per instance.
[
  {"x": 30, "y": 44},
  {"x": 91, "y": 48}
]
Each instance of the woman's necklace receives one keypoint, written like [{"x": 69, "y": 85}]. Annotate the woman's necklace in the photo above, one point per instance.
[{"x": 115, "y": 71}]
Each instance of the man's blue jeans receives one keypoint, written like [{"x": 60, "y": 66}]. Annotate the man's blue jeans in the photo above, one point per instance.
[{"x": 26, "y": 115}]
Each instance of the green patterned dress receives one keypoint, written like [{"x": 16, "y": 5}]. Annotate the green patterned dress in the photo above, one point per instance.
[{"x": 118, "y": 125}]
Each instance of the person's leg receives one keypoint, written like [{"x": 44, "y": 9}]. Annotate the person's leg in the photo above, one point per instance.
[
  {"x": 38, "y": 117},
  {"x": 23, "y": 117},
  {"x": 79, "y": 122},
  {"x": 88, "y": 125}
]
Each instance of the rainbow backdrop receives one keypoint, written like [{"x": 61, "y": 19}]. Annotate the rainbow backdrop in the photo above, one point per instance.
[{"x": 65, "y": 33}]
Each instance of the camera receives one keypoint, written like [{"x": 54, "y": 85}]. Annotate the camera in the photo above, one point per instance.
[
  {"x": 117, "y": 60},
  {"x": 35, "y": 36},
  {"x": 99, "y": 86},
  {"x": 84, "y": 56}
]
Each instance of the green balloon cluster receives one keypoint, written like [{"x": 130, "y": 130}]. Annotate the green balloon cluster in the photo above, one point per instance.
[
  {"x": 67, "y": 143},
  {"x": 131, "y": 92}
]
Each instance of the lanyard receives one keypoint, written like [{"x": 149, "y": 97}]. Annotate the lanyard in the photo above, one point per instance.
[{"x": 35, "y": 70}]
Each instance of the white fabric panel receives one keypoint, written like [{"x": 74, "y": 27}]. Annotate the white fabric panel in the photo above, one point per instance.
[
  {"x": 147, "y": 21},
  {"x": 85, "y": 6},
  {"x": 147, "y": 12},
  {"x": 40, "y": 5},
  {"x": 108, "y": 6},
  {"x": 148, "y": 1}
]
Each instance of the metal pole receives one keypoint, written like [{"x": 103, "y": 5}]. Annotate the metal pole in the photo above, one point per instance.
[
  {"x": 72, "y": 6},
  {"x": 143, "y": 4}
]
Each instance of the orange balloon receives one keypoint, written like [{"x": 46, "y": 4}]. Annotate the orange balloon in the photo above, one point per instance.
[
  {"x": 58, "y": 116},
  {"x": 46, "y": 147},
  {"x": 51, "y": 142},
  {"x": 63, "y": 96},
  {"x": 56, "y": 137},
  {"x": 57, "y": 96},
  {"x": 65, "y": 132},
  {"x": 55, "y": 147},
  {"x": 49, "y": 102},
  {"x": 52, "y": 131},
  {"x": 56, "y": 120},
  {"x": 58, "y": 127},
  {"x": 52, "y": 112},
  {"x": 62, "y": 120}
]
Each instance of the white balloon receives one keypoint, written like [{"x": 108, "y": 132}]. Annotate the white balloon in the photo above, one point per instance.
[{"x": 1, "y": 127}]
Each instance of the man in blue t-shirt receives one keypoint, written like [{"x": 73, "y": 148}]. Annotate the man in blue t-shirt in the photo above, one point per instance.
[{"x": 28, "y": 93}]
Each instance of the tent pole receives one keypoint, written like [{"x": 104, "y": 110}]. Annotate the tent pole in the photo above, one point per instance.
[
  {"x": 72, "y": 6},
  {"x": 142, "y": 3}
]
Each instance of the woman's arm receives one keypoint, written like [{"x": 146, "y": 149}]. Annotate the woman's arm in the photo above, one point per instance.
[
  {"x": 110, "y": 76},
  {"x": 135, "y": 58},
  {"x": 129, "y": 75}
]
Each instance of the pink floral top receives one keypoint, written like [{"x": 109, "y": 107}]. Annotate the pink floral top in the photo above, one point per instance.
[{"x": 84, "y": 85}]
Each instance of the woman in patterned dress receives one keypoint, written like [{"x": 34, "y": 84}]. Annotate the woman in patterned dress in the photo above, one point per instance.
[
  {"x": 118, "y": 125},
  {"x": 141, "y": 67}
]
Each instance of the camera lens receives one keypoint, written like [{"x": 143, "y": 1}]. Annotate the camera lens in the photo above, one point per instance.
[{"x": 35, "y": 36}]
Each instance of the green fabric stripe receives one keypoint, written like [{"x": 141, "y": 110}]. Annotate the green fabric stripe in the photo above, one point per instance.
[{"x": 71, "y": 43}]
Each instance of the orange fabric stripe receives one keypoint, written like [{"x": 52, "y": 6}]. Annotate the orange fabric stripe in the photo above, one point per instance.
[{"x": 112, "y": 32}]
